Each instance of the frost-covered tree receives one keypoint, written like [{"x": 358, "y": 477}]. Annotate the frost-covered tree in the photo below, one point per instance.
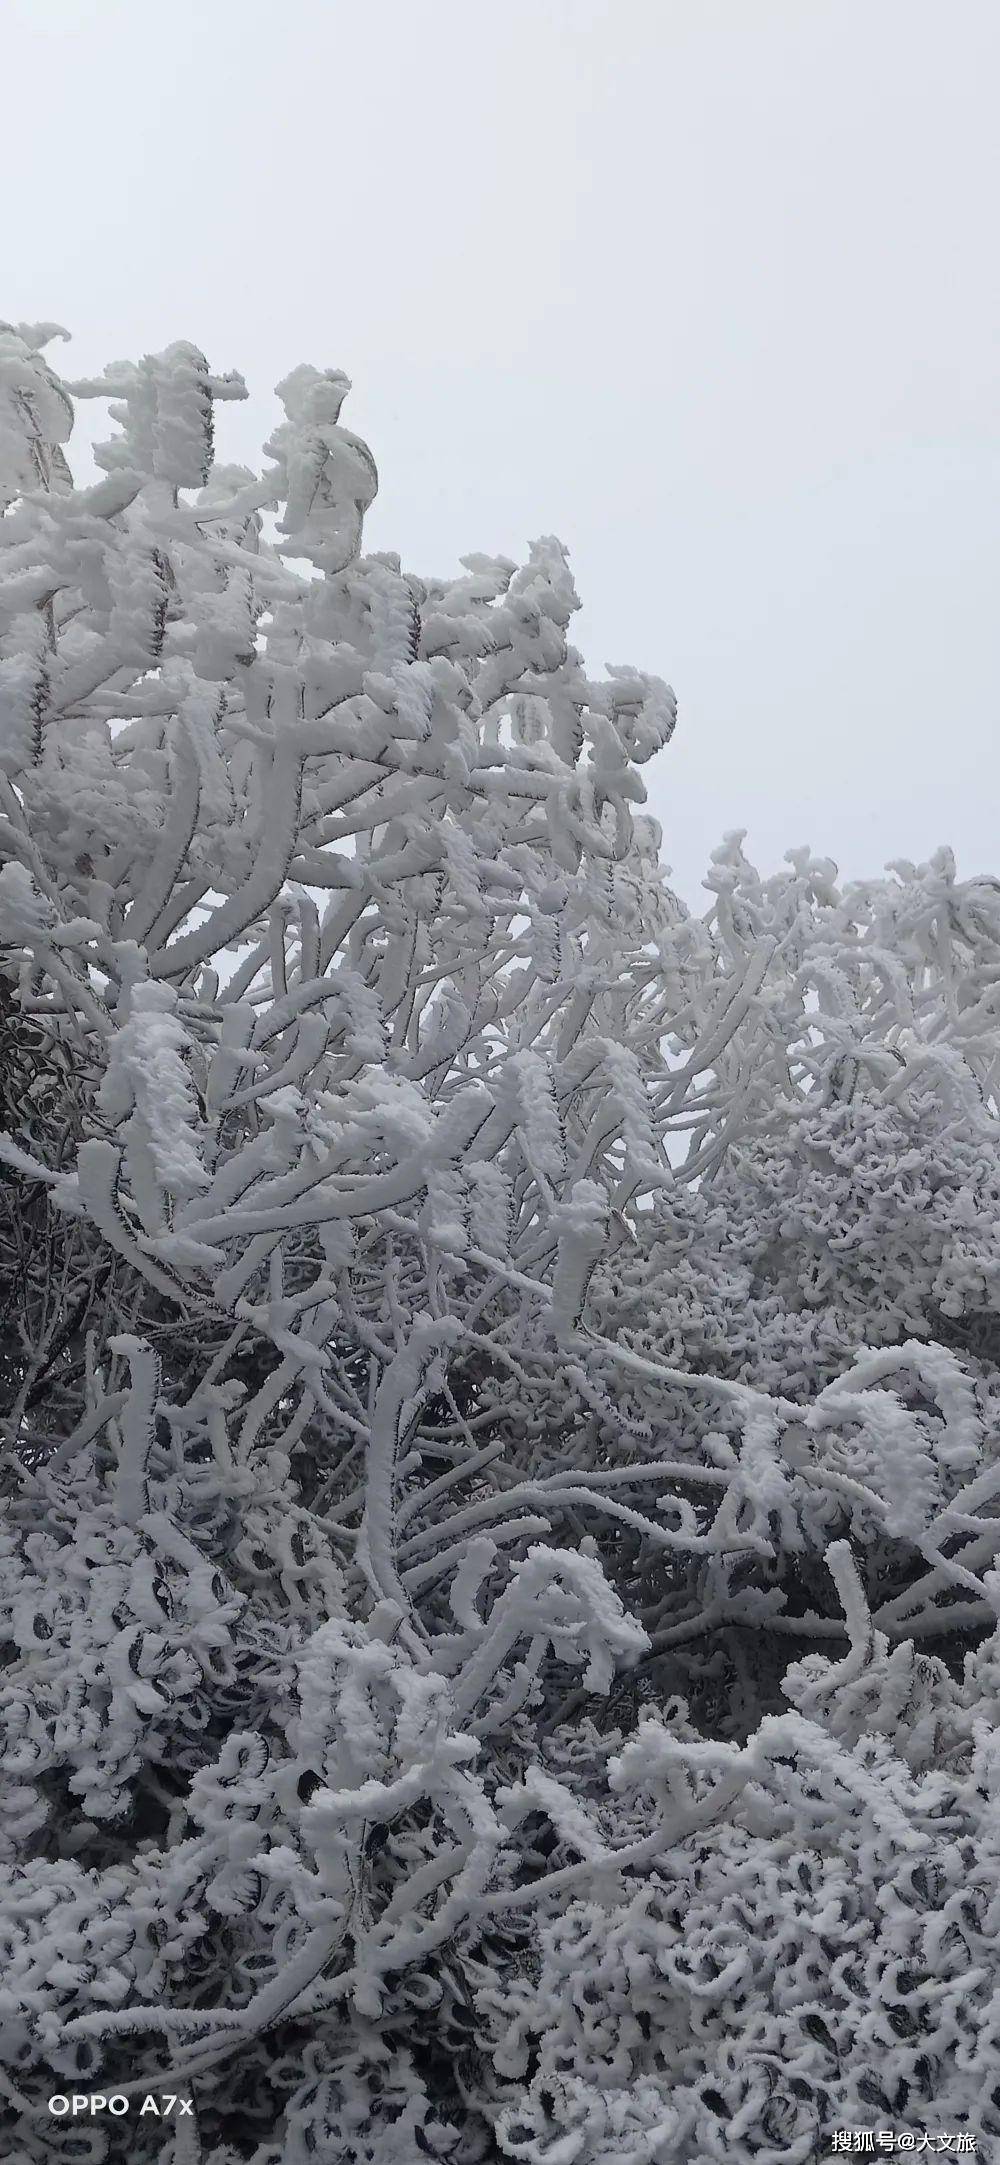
[{"x": 499, "y": 1378}]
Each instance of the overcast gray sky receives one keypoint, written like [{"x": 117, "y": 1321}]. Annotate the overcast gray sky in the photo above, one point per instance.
[{"x": 706, "y": 287}]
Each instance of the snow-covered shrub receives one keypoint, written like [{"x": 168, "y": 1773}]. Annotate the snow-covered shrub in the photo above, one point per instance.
[{"x": 478, "y": 1342}]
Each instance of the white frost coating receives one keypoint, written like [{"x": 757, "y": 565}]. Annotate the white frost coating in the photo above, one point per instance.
[
  {"x": 498, "y": 1374},
  {"x": 25, "y": 916},
  {"x": 581, "y": 1226},
  {"x": 147, "y": 1090},
  {"x": 136, "y": 1428}
]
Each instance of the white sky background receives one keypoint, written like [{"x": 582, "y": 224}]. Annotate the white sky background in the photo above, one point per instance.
[{"x": 706, "y": 287}]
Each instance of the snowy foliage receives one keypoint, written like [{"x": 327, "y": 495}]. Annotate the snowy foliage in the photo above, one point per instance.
[{"x": 499, "y": 1379}]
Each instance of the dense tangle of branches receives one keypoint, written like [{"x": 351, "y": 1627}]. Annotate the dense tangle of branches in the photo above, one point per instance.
[{"x": 499, "y": 1375}]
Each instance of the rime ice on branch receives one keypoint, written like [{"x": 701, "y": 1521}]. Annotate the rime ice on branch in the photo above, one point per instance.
[{"x": 470, "y": 1327}]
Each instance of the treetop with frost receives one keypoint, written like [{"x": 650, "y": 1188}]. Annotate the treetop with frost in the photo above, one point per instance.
[{"x": 479, "y": 1342}]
